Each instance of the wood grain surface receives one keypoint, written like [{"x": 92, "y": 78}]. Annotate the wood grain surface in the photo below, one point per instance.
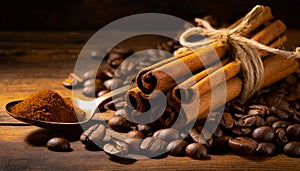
[{"x": 30, "y": 61}]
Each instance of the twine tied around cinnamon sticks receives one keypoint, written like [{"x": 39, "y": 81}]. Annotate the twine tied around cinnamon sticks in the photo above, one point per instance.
[{"x": 244, "y": 50}]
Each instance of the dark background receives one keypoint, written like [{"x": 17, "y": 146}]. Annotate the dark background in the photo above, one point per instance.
[{"x": 93, "y": 14}]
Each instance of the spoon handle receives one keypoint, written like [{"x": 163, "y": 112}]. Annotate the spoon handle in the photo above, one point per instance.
[{"x": 111, "y": 95}]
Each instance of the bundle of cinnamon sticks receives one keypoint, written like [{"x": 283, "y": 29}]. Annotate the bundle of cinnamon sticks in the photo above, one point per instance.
[{"x": 205, "y": 70}]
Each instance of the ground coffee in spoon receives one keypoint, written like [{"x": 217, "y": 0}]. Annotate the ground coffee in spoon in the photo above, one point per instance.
[{"x": 48, "y": 105}]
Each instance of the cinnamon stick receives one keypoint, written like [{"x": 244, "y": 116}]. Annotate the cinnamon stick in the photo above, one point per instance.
[
  {"x": 273, "y": 64},
  {"x": 265, "y": 36},
  {"x": 165, "y": 77}
]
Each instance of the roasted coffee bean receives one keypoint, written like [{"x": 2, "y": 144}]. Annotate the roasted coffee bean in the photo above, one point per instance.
[
  {"x": 116, "y": 148},
  {"x": 177, "y": 147},
  {"x": 258, "y": 110},
  {"x": 281, "y": 137},
  {"x": 89, "y": 75},
  {"x": 145, "y": 129},
  {"x": 293, "y": 132},
  {"x": 93, "y": 136},
  {"x": 279, "y": 113},
  {"x": 115, "y": 59},
  {"x": 250, "y": 120},
  {"x": 168, "y": 134},
  {"x": 243, "y": 145},
  {"x": 133, "y": 144},
  {"x": 196, "y": 151},
  {"x": 135, "y": 134},
  {"x": 58, "y": 144},
  {"x": 121, "y": 50},
  {"x": 119, "y": 123},
  {"x": 218, "y": 132},
  {"x": 92, "y": 83},
  {"x": 266, "y": 148},
  {"x": 103, "y": 92},
  {"x": 271, "y": 119},
  {"x": 220, "y": 144},
  {"x": 227, "y": 121},
  {"x": 113, "y": 83},
  {"x": 120, "y": 112},
  {"x": 120, "y": 105},
  {"x": 239, "y": 131},
  {"x": 280, "y": 124},
  {"x": 153, "y": 146},
  {"x": 292, "y": 149},
  {"x": 202, "y": 137},
  {"x": 263, "y": 134}
]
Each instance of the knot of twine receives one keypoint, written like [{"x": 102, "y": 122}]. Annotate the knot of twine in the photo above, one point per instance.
[{"x": 244, "y": 50}]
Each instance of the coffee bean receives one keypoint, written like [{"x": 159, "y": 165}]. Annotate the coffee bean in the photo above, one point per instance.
[
  {"x": 250, "y": 120},
  {"x": 133, "y": 144},
  {"x": 120, "y": 105},
  {"x": 168, "y": 134},
  {"x": 120, "y": 112},
  {"x": 145, "y": 129},
  {"x": 266, "y": 148},
  {"x": 281, "y": 137},
  {"x": 119, "y": 124},
  {"x": 89, "y": 91},
  {"x": 271, "y": 119},
  {"x": 258, "y": 110},
  {"x": 89, "y": 75},
  {"x": 280, "y": 124},
  {"x": 220, "y": 144},
  {"x": 153, "y": 146},
  {"x": 113, "y": 83},
  {"x": 279, "y": 113},
  {"x": 116, "y": 148},
  {"x": 121, "y": 50},
  {"x": 92, "y": 82},
  {"x": 58, "y": 144},
  {"x": 293, "y": 132},
  {"x": 243, "y": 145},
  {"x": 177, "y": 147},
  {"x": 239, "y": 131},
  {"x": 102, "y": 92},
  {"x": 292, "y": 149},
  {"x": 93, "y": 136},
  {"x": 227, "y": 121},
  {"x": 196, "y": 151},
  {"x": 115, "y": 59},
  {"x": 202, "y": 137},
  {"x": 263, "y": 134},
  {"x": 218, "y": 132},
  {"x": 135, "y": 134}
]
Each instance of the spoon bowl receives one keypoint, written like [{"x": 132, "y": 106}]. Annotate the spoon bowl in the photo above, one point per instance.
[{"x": 89, "y": 107}]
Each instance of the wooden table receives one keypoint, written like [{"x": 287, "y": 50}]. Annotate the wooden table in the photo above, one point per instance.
[{"x": 30, "y": 61}]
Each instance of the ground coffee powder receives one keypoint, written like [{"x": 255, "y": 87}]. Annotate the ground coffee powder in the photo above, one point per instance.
[{"x": 48, "y": 105}]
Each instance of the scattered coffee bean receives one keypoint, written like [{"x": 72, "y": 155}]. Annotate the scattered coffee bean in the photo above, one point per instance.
[
  {"x": 218, "y": 132},
  {"x": 221, "y": 145},
  {"x": 280, "y": 136},
  {"x": 196, "y": 151},
  {"x": 243, "y": 145},
  {"x": 227, "y": 121},
  {"x": 117, "y": 148},
  {"x": 241, "y": 131},
  {"x": 177, "y": 147},
  {"x": 271, "y": 119},
  {"x": 113, "y": 83},
  {"x": 263, "y": 134},
  {"x": 168, "y": 134},
  {"x": 293, "y": 132},
  {"x": 145, "y": 129},
  {"x": 258, "y": 110},
  {"x": 280, "y": 124},
  {"x": 265, "y": 148},
  {"x": 153, "y": 146},
  {"x": 102, "y": 92},
  {"x": 93, "y": 136},
  {"x": 58, "y": 144},
  {"x": 135, "y": 134},
  {"x": 202, "y": 137},
  {"x": 133, "y": 144},
  {"x": 292, "y": 149},
  {"x": 250, "y": 120},
  {"x": 119, "y": 123}
]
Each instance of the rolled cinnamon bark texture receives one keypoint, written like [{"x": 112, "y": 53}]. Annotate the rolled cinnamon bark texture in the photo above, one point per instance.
[{"x": 167, "y": 76}]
